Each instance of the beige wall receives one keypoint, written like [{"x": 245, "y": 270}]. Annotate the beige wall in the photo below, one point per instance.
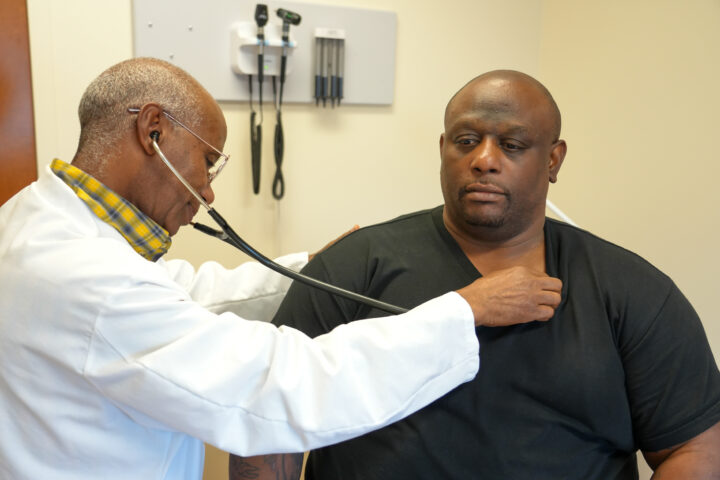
[
  {"x": 638, "y": 86},
  {"x": 636, "y": 81}
]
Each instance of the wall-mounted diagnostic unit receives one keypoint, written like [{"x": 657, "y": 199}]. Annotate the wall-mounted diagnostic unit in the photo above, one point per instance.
[
  {"x": 217, "y": 42},
  {"x": 301, "y": 52}
]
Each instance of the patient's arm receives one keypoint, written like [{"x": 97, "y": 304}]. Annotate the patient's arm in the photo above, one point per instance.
[
  {"x": 698, "y": 458},
  {"x": 266, "y": 467}
]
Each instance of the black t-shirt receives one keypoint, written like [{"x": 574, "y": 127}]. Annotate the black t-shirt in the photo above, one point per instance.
[{"x": 624, "y": 363}]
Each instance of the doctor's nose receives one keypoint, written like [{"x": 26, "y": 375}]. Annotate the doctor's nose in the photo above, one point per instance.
[{"x": 207, "y": 193}]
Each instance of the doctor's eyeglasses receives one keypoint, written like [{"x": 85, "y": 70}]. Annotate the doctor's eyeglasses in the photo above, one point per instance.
[{"x": 222, "y": 160}]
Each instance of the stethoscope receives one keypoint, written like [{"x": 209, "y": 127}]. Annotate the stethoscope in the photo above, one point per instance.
[{"x": 228, "y": 235}]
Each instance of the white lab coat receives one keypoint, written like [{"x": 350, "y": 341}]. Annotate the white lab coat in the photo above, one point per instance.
[{"x": 115, "y": 367}]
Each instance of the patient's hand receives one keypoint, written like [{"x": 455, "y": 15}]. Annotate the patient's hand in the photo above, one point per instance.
[{"x": 355, "y": 227}]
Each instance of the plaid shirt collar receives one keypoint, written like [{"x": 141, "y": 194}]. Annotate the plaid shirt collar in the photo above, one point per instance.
[{"x": 144, "y": 235}]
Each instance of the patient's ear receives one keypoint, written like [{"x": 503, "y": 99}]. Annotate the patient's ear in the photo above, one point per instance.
[{"x": 557, "y": 155}]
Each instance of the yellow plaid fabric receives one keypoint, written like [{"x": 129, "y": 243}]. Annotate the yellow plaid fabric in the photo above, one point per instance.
[{"x": 145, "y": 236}]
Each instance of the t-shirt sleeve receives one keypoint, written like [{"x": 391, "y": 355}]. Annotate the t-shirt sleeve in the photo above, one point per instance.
[
  {"x": 672, "y": 379},
  {"x": 314, "y": 311}
]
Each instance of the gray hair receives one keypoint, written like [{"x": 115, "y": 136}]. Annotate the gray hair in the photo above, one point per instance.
[{"x": 133, "y": 83}]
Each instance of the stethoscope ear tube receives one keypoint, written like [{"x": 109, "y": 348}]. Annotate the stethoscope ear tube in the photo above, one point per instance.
[{"x": 229, "y": 236}]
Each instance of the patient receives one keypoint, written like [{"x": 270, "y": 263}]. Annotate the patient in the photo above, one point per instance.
[{"x": 624, "y": 365}]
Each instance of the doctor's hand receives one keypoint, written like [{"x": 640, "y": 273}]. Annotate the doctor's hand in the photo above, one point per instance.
[
  {"x": 514, "y": 295},
  {"x": 355, "y": 227}
]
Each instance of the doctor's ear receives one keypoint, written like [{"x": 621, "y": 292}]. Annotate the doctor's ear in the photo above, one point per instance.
[{"x": 150, "y": 125}]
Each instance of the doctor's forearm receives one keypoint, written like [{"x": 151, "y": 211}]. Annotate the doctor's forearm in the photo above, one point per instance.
[{"x": 266, "y": 467}]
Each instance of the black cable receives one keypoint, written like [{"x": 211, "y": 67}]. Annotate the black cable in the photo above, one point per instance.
[
  {"x": 228, "y": 235},
  {"x": 278, "y": 187}
]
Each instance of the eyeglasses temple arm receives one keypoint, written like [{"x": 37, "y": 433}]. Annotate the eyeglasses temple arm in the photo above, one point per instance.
[{"x": 180, "y": 177}]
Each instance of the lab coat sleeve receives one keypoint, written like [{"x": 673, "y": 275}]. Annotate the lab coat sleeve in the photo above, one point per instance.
[
  {"x": 250, "y": 290},
  {"x": 250, "y": 388}
]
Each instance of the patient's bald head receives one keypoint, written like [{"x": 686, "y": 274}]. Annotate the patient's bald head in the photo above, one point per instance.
[{"x": 499, "y": 82}]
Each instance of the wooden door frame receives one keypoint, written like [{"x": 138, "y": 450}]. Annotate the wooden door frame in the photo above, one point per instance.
[{"x": 18, "y": 163}]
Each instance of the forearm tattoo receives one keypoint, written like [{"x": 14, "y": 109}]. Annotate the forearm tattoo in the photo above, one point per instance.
[{"x": 266, "y": 467}]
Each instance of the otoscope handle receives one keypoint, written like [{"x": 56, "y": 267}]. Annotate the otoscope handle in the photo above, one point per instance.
[
  {"x": 229, "y": 236},
  {"x": 260, "y": 63}
]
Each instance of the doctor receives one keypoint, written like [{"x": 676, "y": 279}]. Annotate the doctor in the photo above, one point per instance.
[{"x": 116, "y": 364}]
